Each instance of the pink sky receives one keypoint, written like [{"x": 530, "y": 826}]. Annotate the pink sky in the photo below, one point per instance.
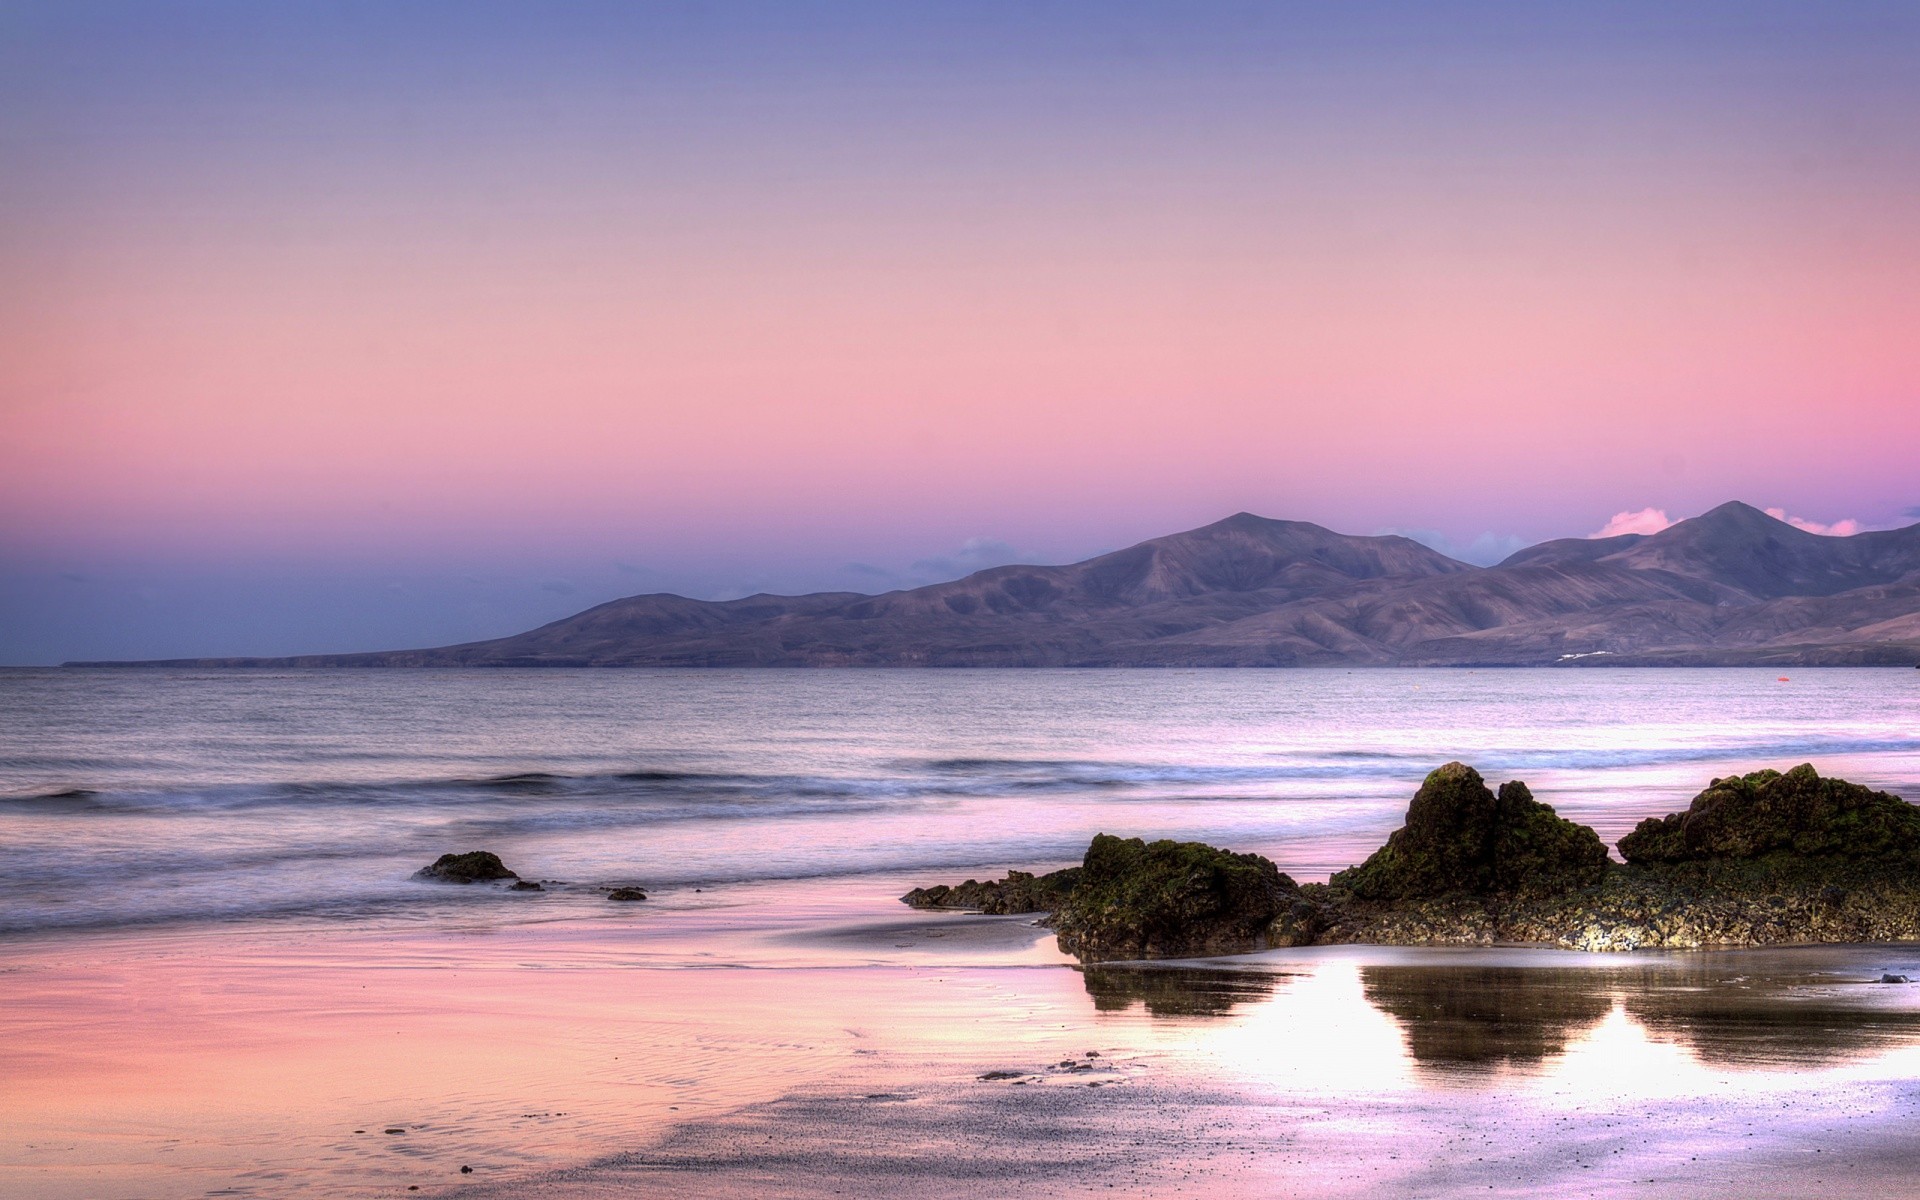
[
  {"x": 465, "y": 293},
  {"x": 407, "y": 383}
]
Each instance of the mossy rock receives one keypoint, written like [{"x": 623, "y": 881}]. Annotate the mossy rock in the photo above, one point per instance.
[
  {"x": 1796, "y": 814},
  {"x": 1460, "y": 838},
  {"x": 1019, "y": 892},
  {"x": 474, "y": 866},
  {"x": 1168, "y": 899}
]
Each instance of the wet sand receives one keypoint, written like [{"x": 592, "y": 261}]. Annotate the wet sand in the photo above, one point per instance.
[{"x": 794, "y": 1039}]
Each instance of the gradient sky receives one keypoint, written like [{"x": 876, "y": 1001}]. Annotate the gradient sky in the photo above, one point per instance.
[{"x": 354, "y": 325}]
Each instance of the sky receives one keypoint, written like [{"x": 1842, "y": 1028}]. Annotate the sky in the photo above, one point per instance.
[{"x": 347, "y": 326}]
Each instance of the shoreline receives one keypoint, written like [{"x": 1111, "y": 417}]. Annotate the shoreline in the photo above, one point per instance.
[{"x": 610, "y": 1061}]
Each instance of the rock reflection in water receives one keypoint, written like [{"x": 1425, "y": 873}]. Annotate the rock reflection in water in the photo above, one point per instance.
[
  {"x": 1727, "y": 1018},
  {"x": 1176, "y": 991},
  {"x": 1485, "y": 1017}
]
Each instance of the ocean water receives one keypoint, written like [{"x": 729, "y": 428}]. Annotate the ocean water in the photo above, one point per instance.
[{"x": 134, "y": 799}]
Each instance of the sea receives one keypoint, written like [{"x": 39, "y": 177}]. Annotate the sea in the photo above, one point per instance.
[
  {"x": 136, "y": 798},
  {"x": 220, "y": 974}
]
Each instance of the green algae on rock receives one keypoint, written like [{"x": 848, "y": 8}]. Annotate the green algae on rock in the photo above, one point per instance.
[
  {"x": 1019, "y": 892},
  {"x": 1768, "y": 813},
  {"x": 1761, "y": 859},
  {"x": 1462, "y": 838},
  {"x": 1167, "y": 899}
]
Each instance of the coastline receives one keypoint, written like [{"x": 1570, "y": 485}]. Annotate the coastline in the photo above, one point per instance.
[
  {"x": 220, "y": 966},
  {"x": 584, "y": 1058}
]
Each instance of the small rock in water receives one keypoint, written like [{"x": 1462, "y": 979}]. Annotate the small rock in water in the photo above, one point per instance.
[
  {"x": 466, "y": 1170},
  {"x": 1894, "y": 979},
  {"x": 471, "y": 867},
  {"x": 525, "y": 885},
  {"x": 626, "y": 893},
  {"x": 396, "y": 1131}
]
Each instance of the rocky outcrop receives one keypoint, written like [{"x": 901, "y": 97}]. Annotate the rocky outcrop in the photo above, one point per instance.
[
  {"x": 1692, "y": 907},
  {"x": 1760, "y": 859},
  {"x": 1019, "y": 892},
  {"x": 1768, "y": 814},
  {"x": 1168, "y": 899},
  {"x": 475, "y": 866},
  {"x": 1460, "y": 838}
]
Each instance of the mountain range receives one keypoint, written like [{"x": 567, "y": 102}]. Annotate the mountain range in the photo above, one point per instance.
[{"x": 1731, "y": 587}]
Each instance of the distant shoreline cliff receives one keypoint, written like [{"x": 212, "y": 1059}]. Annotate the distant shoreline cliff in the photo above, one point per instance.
[{"x": 1733, "y": 587}]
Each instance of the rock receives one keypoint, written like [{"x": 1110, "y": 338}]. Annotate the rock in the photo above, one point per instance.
[
  {"x": 471, "y": 867},
  {"x": 1760, "y": 859},
  {"x": 525, "y": 885},
  {"x": 1461, "y": 838},
  {"x": 1895, "y": 979},
  {"x": 1019, "y": 892},
  {"x": 1169, "y": 899},
  {"x": 626, "y": 893},
  {"x": 1768, "y": 813}
]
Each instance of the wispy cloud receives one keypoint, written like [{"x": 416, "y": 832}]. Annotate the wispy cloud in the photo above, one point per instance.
[
  {"x": 1843, "y": 528},
  {"x": 975, "y": 554},
  {"x": 1646, "y": 520}
]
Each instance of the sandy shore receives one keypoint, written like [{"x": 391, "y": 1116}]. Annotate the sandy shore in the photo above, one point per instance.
[{"x": 793, "y": 1040}]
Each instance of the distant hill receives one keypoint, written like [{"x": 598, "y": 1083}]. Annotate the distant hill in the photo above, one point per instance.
[{"x": 1733, "y": 586}]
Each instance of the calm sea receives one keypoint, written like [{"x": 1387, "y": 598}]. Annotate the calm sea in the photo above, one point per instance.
[{"x": 134, "y": 798}]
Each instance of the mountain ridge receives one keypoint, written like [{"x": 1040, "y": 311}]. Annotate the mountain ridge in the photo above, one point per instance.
[{"x": 1733, "y": 585}]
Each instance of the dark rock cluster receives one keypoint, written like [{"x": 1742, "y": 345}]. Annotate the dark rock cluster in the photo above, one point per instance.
[
  {"x": 475, "y": 866},
  {"x": 1762, "y": 859},
  {"x": 1019, "y": 892},
  {"x": 1767, "y": 813},
  {"x": 1170, "y": 899},
  {"x": 1460, "y": 837}
]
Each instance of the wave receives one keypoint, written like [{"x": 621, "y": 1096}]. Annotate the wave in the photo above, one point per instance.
[{"x": 672, "y": 794}]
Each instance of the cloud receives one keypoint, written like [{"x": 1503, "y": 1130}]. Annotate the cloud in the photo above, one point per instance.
[
  {"x": 975, "y": 554},
  {"x": 1647, "y": 520},
  {"x": 1912, "y": 512},
  {"x": 1843, "y": 528}
]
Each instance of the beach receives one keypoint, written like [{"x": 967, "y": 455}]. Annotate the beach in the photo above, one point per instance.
[
  {"x": 871, "y": 1053},
  {"x": 221, "y": 978}
]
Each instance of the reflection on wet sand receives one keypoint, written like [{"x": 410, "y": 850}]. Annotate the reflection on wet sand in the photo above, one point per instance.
[
  {"x": 1725, "y": 1017},
  {"x": 1176, "y": 991},
  {"x": 1489, "y": 1016},
  {"x": 1486, "y": 1016}
]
